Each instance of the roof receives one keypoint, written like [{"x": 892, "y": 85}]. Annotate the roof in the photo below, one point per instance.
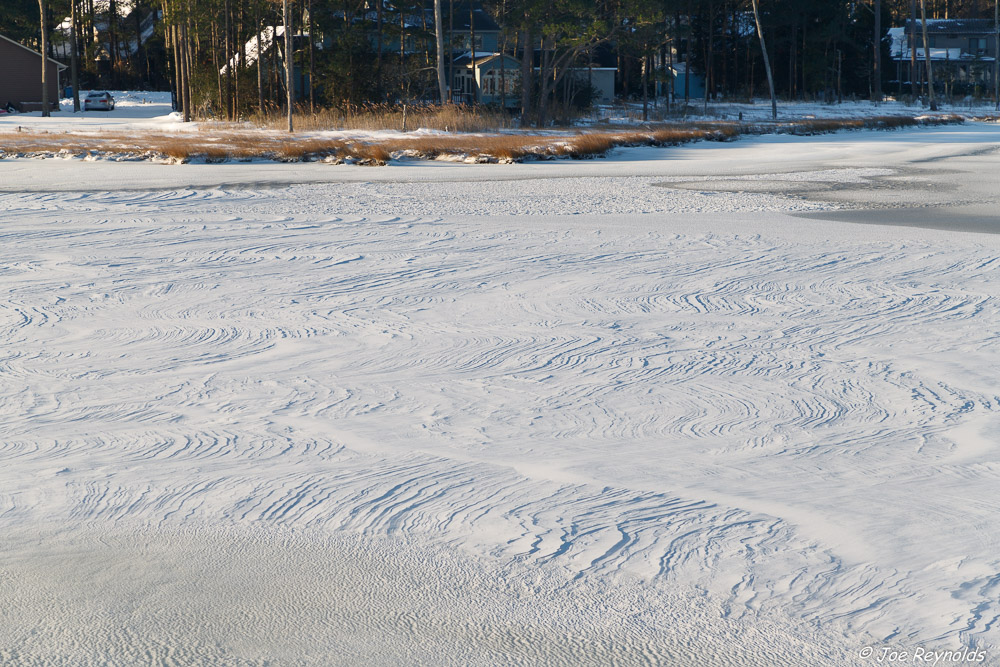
[
  {"x": 456, "y": 16},
  {"x": 51, "y": 60},
  {"x": 954, "y": 26},
  {"x": 480, "y": 57}
]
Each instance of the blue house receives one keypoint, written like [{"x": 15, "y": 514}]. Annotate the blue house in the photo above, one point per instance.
[{"x": 682, "y": 79}]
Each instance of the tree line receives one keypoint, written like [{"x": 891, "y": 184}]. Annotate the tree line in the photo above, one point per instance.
[{"x": 357, "y": 52}]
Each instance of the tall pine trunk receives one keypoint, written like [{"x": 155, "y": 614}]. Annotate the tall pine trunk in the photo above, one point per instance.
[
  {"x": 289, "y": 64},
  {"x": 878, "y": 51},
  {"x": 258, "y": 27},
  {"x": 439, "y": 38},
  {"x": 74, "y": 56},
  {"x": 45, "y": 59},
  {"x": 527, "y": 60},
  {"x": 927, "y": 55},
  {"x": 767, "y": 62}
]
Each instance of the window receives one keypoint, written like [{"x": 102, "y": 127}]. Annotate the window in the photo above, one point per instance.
[{"x": 977, "y": 46}]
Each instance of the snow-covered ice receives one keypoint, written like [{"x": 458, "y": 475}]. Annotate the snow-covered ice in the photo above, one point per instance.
[{"x": 627, "y": 411}]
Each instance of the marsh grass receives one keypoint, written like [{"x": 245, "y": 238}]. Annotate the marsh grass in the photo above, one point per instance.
[
  {"x": 217, "y": 142},
  {"x": 376, "y": 117}
]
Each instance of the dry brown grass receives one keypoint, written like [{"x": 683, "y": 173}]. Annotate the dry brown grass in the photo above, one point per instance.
[
  {"x": 218, "y": 143},
  {"x": 824, "y": 126},
  {"x": 448, "y": 117},
  {"x": 592, "y": 144},
  {"x": 370, "y": 153}
]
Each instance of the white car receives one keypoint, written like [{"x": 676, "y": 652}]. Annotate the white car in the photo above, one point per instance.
[{"x": 99, "y": 102}]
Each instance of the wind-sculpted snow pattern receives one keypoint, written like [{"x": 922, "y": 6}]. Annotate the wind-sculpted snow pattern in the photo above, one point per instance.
[{"x": 248, "y": 426}]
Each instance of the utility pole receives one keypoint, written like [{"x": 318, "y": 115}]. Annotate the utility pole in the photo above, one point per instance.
[
  {"x": 927, "y": 55},
  {"x": 45, "y": 60},
  {"x": 767, "y": 62},
  {"x": 289, "y": 65},
  {"x": 996, "y": 52}
]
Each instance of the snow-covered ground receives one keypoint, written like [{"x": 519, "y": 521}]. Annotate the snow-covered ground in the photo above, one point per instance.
[
  {"x": 134, "y": 110},
  {"x": 139, "y": 111},
  {"x": 655, "y": 409},
  {"x": 760, "y": 110}
]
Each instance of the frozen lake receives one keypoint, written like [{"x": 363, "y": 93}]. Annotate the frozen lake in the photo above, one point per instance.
[{"x": 672, "y": 407}]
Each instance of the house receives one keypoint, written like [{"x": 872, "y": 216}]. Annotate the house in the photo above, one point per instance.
[
  {"x": 600, "y": 79},
  {"x": 683, "y": 79},
  {"x": 486, "y": 78},
  {"x": 132, "y": 21},
  {"x": 494, "y": 78},
  {"x": 962, "y": 51},
  {"x": 21, "y": 77}
]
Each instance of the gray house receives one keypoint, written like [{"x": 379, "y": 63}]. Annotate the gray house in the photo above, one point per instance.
[{"x": 962, "y": 51}]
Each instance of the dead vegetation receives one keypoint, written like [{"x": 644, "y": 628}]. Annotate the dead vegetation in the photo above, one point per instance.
[
  {"x": 213, "y": 143},
  {"x": 376, "y": 117}
]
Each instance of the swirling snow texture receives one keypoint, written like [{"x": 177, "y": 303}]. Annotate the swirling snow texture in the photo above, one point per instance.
[{"x": 245, "y": 425}]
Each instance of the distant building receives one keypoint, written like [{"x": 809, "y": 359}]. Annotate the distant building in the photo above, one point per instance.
[
  {"x": 683, "y": 79},
  {"x": 489, "y": 78},
  {"x": 21, "y": 77},
  {"x": 962, "y": 51}
]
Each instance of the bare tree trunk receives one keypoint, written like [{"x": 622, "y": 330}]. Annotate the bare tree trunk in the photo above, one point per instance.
[
  {"x": 878, "y": 51},
  {"x": 996, "y": 52},
  {"x": 546, "y": 75},
  {"x": 439, "y": 38},
  {"x": 378, "y": 43},
  {"x": 178, "y": 66},
  {"x": 645, "y": 84},
  {"x": 927, "y": 55},
  {"x": 215, "y": 62},
  {"x": 502, "y": 47},
  {"x": 312, "y": 60},
  {"x": 767, "y": 62},
  {"x": 171, "y": 32},
  {"x": 113, "y": 38},
  {"x": 472, "y": 49},
  {"x": 289, "y": 65},
  {"x": 227, "y": 50},
  {"x": 526, "y": 69},
  {"x": 260, "y": 62},
  {"x": 74, "y": 57},
  {"x": 45, "y": 59},
  {"x": 913, "y": 48},
  {"x": 186, "y": 72},
  {"x": 687, "y": 60},
  {"x": 451, "y": 52}
]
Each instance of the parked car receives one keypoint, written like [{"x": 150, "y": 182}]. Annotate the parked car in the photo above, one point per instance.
[{"x": 99, "y": 102}]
